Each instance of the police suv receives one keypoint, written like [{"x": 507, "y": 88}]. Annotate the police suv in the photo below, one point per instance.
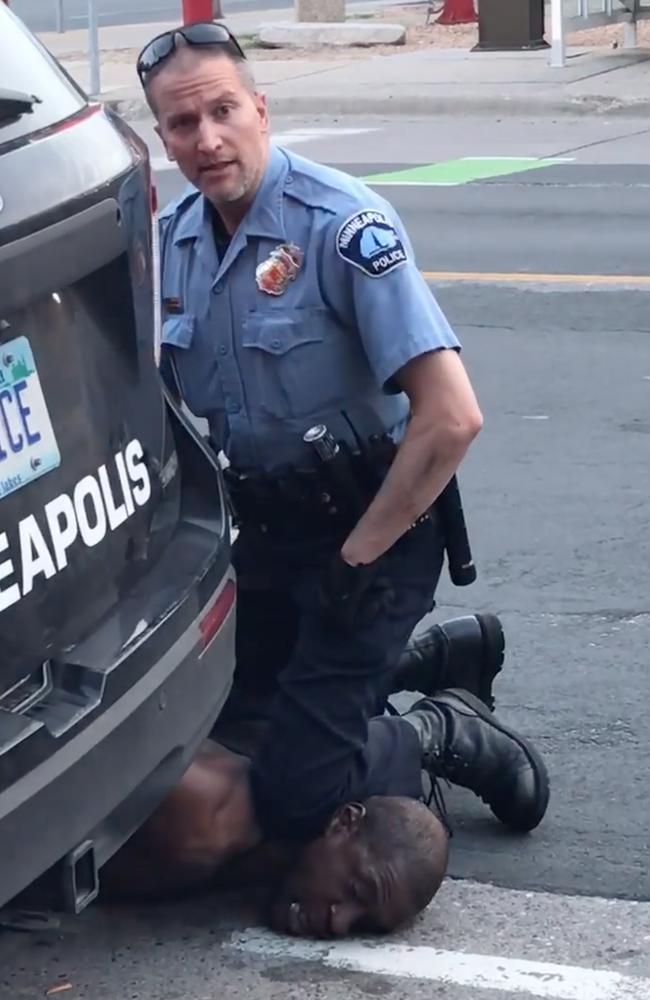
[{"x": 117, "y": 595}]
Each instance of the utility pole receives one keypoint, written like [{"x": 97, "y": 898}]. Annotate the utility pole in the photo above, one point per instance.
[{"x": 93, "y": 49}]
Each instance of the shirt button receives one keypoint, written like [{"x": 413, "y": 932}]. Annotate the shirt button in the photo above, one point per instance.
[
  {"x": 223, "y": 349},
  {"x": 277, "y": 344},
  {"x": 218, "y": 289},
  {"x": 289, "y": 178},
  {"x": 233, "y": 407}
]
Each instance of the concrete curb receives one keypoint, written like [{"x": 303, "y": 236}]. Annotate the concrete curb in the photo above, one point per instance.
[{"x": 135, "y": 109}]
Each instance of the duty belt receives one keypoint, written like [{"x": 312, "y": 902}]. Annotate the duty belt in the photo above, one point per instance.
[
  {"x": 296, "y": 502},
  {"x": 312, "y": 502},
  {"x": 283, "y": 501}
]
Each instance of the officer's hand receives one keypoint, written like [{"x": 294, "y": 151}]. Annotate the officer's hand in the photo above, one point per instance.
[{"x": 353, "y": 593}]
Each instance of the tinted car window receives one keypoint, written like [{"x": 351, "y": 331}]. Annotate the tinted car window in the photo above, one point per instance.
[{"x": 26, "y": 67}]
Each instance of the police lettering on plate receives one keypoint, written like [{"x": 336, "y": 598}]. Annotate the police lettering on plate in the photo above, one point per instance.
[
  {"x": 371, "y": 243},
  {"x": 28, "y": 447}
]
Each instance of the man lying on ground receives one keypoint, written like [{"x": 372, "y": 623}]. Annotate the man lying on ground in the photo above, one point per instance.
[
  {"x": 206, "y": 832},
  {"x": 377, "y": 863}
]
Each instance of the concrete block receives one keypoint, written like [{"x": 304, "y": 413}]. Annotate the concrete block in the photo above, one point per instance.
[
  {"x": 320, "y": 10},
  {"x": 289, "y": 35}
]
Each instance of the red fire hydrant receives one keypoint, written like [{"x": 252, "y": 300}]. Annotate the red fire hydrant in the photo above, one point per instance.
[
  {"x": 197, "y": 10},
  {"x": 458, "y": 12}
]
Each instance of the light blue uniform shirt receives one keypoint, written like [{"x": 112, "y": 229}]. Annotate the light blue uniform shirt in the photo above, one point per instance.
[{"x": 263, "y": 368}]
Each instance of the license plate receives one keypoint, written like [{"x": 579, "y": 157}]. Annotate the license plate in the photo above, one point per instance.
[{"x": 28, "y": 447}]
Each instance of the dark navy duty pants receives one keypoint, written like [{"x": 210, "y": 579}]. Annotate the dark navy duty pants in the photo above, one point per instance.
[{"x": 326, "y": 685}]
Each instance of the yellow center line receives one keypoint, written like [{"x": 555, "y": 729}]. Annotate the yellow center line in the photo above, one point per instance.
[{"x": 518, "y": 277}]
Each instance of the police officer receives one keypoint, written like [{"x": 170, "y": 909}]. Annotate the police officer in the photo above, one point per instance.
[{"x": 292, "y": 301}]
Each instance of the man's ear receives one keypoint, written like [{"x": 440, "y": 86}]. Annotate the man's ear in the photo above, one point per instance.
[
  {"x": 346, "y": 821},
  {"x": 262, "y": 110}
]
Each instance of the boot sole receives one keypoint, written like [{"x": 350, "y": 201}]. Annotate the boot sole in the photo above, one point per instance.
[
  {"x": 494, "y": 646},
  {"x": 526, "y": 823}
]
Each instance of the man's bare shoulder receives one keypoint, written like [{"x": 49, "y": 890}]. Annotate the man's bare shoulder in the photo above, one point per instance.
[
  {"x": 206, "y": 820},
  {"x": 217, "y": 780},
  {"x": 214, "y": 755},
  {"x": 214, "y": 784}
]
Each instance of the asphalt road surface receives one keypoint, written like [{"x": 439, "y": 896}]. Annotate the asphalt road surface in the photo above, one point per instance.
[{"x": 544, "y": 275}]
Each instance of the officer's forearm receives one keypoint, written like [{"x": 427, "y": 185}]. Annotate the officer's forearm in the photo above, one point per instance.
[{"x": 425, "y": 462}]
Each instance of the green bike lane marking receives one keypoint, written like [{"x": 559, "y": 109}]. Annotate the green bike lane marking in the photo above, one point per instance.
[{"x": 451, "y": 173}]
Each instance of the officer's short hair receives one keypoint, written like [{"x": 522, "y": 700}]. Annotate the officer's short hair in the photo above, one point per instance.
[
  {"x": 203, "y": 51},
  {"x": 404, "y": 832}
]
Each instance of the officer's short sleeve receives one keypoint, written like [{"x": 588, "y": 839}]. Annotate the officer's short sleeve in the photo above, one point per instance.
[{"x": 378, "y": 282}]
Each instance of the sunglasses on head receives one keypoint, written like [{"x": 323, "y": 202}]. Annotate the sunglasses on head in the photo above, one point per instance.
[{"x": 201, "y": 33}]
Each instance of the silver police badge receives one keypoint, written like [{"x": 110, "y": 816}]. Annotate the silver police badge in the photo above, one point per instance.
[{"x": 274, "y": 274}]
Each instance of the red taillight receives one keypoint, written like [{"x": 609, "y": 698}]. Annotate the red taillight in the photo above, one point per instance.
[
  {"x": 217, "y": 614},
  {"x": 81, "y": 116},
  {"x": 155, "y": 264}
]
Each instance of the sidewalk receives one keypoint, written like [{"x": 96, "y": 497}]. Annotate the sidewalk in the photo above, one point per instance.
[{"x": 428, "y": 81}]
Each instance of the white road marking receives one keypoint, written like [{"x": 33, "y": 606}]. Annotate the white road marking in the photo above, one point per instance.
[
  {"x": 413, "y": 184},
  {"x": 298, "y": 135},
  {"x": 488, "y": 972},
  {"x": 292, "y": 138},
  {"x": 532, "y": 159}
]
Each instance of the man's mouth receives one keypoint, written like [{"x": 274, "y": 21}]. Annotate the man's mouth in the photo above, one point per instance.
[
  {"x": 216, "y": 169},
  {"x": 315, "y": 922}
]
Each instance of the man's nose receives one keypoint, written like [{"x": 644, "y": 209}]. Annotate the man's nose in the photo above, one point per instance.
[{"x": 210, "y": 138}]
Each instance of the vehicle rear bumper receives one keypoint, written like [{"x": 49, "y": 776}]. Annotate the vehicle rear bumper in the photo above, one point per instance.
[{"x": 103, "y": 783}]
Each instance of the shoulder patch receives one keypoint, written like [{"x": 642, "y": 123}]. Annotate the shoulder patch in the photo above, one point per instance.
[{"x": 367, "y": 240}]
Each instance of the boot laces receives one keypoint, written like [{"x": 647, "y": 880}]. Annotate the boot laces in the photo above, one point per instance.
[
  {"x": 450, "y": 763},
  {"x": 437, "y": 798}
]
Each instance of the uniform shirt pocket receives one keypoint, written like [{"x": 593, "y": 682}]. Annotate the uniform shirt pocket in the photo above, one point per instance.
[
  {"x": 284, "y": 356},
  {"x": 193, "y": 363},
  {"x": 178, "y": 331}
]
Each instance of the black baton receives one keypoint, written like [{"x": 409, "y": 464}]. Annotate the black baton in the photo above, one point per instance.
[{"x": 459, "y": 554}]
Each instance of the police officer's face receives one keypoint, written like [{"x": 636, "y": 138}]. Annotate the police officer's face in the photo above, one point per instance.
[{"x": 212, "y": 124}]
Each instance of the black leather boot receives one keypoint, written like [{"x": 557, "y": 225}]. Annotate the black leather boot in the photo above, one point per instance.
[
  {"x": 465, "y": 744},
  {"x": 465, "y": 652}
]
